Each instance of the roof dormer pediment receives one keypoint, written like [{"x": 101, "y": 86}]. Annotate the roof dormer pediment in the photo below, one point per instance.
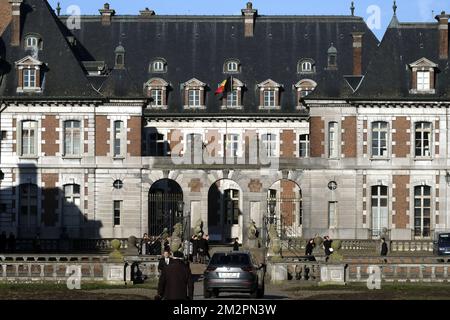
[
  {"x": 423, "y": 63},
  {"x": 269, "y": 83},
  {"x": 28, "y": 61},
  {"x": 194, "y": 83}
]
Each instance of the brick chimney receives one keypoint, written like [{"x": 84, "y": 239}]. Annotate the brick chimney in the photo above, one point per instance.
[
  {"x": 357, "y": 53},
  {"x": 249, "y": 19},
  {"x": 443, "y": 35},
  {"x": 107, "y": 14},
  {"x": 15, "y": 22}
]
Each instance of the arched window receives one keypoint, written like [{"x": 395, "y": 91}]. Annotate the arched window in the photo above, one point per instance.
[
  {"x": 306, "y": 66},
  {"x": 231, "y": 66},
  {"x": 158, "y": 65},
  {"x": 422, "y": 211},
  {"x": 33, "y": 42}
]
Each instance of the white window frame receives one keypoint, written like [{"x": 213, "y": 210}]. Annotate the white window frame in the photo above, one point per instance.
[
  {"x": 232, "y": 99},
  {"x": 118, "y": 134},
  {"x": 29, "y": 78},
  {"x": 422, "y": 197},
  {"x": 119, "y": 215},
  {"x": 380, "y": 214},
  {"x": 269, "y": 98},
  {"x": 72, "y": 131},
  {"x": 378, "y": 127},
  {"x": 71, "y": 205},
  {"x": 158, "y": 66},
  {"x": 423, "y": 80},
  {"x": 157, "y": 95},
  {"x": 423, "y": 131},
  {"x": 194, "y": 96},
  {"x": 232, "y": 66},
  {"x": 306, "y": 143},
  {"x": 270, "y": 146},
  {"x": 32, "y": 42},
  {"x": 31, "y": 147},
  {"x": 333, "y": 140},
  {"x": 236, "y": 144}
]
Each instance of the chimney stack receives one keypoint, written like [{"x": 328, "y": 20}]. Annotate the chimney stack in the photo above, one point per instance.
[
  {"x": 357, "y": 53},
  {"x": 443, "y": 35},
  {"x": 249, "y": 19},
  {"x": 107, "y": 14},
  {"x": 15, "y": 22},
  {"x": 147, "y": 13}
]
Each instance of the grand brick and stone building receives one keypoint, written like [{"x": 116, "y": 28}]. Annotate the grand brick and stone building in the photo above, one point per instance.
[{"x": 110, "y": 126}]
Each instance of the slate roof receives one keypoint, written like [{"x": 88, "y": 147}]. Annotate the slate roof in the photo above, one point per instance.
[
  {"x": 388, "y": 75},
  {"x": 197, "y": 46},
  {"x": 193, "y": 46}
]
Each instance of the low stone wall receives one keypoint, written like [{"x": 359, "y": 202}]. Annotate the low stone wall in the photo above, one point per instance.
[{"x": 57, "y": 268}]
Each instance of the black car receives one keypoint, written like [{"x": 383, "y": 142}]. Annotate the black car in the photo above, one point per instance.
[
  {"x": 443, "y": 244},
  {"x": 234, "y": 272}
]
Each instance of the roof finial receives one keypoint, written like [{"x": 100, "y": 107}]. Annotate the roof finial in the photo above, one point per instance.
[
  {"x": 58, "y": 9},
  {"x": 394, "y": 7},
  {"x": 352, "y": 8}
]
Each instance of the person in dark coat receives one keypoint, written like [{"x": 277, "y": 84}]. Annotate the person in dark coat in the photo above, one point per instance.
[
  {"x": 236, "y": 244},
  {"x": 206, "y": 246},
  {"x": 201, "y": 249},
  {"x": 384, "y": 248},
  {"x": 175, "y": 282},
  {"x": 144, "y": 244},
  {"x": 164, "y": 261},
  {"x": 327, "y": 245},
  {"x": 194, "y": 241},
  {"x": 309, "y": 247}
]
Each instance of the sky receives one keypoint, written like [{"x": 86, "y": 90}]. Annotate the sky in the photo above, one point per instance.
[{"x": 377, "y": 13}]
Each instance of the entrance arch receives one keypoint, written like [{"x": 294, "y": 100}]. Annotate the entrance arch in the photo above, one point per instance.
[
  {"x": 287, "y": 197},
  {"x": 163, "y": 198},
  {"x": 225, "y": 218}
]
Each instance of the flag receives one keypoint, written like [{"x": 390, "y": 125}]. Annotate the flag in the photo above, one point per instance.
[{"x": 225, "y": 87}]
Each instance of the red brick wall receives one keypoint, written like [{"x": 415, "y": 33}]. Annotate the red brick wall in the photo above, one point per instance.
[
  {"x": 5, "y": 15},
  {"x": 101, "y": 135},
  {"x": 288, "y": 207},
  {"x": 50, "y": 196},
  {"x": 401, "y": 205},
  {"x": 134, "y": 136},
  {"x": 401, "y": 137},
  {"x": 349, "y": 137},
  {"x": 317, "y": 137},
  {"x": 287, "y": 146},
  {"x": 50, "y": 123}
]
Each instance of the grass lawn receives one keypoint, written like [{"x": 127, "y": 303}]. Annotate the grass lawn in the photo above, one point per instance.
[{"x": 359, "y": 291}]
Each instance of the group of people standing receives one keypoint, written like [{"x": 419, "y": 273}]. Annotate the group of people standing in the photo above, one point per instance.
[
  {"x": 326, "y": 245},
  {"x": 151, "y": 245},
  {"x": 7, "y": 244},
  {"x": 199, "y": 248}
]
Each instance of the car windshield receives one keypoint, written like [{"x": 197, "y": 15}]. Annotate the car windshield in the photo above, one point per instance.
[
  {"x": 444, "y": 239},
  {"x": 231, "y": 259}
]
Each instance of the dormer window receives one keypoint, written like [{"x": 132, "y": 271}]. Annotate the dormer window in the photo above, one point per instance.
[
  {"x": 33, "y": 42},
  {"x": 423, "y": 73},
  {"x": 194, "y": 94},
  {"x": 156, "y": 89},
  {"x": 304, "y": 87},
  {"x": 233, "y": 99},
  {"x": 29, "y": 73},
  {"x": 231, "y": 66},
  {"x": 269, "y": 94},
  {"x": 158, "y": 66},
  {"x": 306, "y": 66}
]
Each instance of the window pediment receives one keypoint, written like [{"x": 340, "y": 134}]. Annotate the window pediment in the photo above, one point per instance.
[
  {"x": 194, "y": 83},
  {"x": 305, "y": 83},
  {"x": 423, "y": 63},
  {"x": 156, "y": 82},
  {"x": 28, "y": 61},
  {"x": 269, "y": 83}
]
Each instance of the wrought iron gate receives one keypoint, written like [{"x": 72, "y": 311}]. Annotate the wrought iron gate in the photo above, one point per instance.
[
  {"x": 287, "y": 216},
  {"x": 163, "y": 212}
]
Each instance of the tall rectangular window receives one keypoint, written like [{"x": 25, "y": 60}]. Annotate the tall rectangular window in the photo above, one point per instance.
[
  {"x": 332, "y": 214},
  {"x": 157, "y": 97},
  {"x": 194, "y": 98},
  {"x": 117, "y": 211},
  {"x": 422, "y": 139},
  {"x": 71, "y": 206},
  {"x": 332, "y": 140},
  {"x": 423, "y": 80},
  {"x": 379, "y": 200},
  {"x": 269, "y": 142},
  {"x": 28, "y": 204},
  {"x": 232, "y": 99},
  {"x": 118, "y": 131},
  {"x": 269, "y": 98},
  {"x": 303, "y": 146},
  {"x": 379, "y": 139},
  {"x": 72, "y": 134},
  {"x": 29, "y": 131},
  {"x": 29, "y": 78},
  {"x": 156, "y": 145},
  {"x": 422, "y": 211},
  {"x": 232, "y": 145}
]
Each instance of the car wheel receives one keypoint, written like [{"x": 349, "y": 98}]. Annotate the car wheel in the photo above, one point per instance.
[
  {"x": 254, "y": 294},
  {"x": 206, "y": 294}
]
